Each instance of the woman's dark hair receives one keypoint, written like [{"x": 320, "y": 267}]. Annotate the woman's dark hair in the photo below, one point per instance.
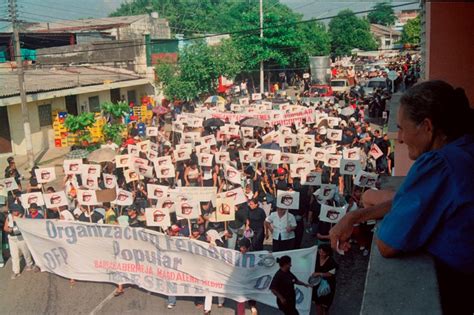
[
  {"x": 326, "y": 248},
  {"x": 448, "y": 108},
  {"x": 284, "y": 260}
]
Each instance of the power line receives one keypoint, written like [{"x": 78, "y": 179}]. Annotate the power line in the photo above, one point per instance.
[{"x": 251, "y": 31}]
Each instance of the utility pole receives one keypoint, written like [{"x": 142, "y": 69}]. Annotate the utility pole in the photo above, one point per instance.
[
  {"x": 262, "y": 89},
  {"x": 21, "y": 83}
]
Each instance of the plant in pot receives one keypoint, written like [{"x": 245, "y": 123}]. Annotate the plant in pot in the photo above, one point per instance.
[
  {"x": 115, "y": 112},
  {"x": 80, "y": 125}
]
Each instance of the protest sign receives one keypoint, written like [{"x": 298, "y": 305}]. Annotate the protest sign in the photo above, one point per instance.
[
  {"x": 236, "y": 194},
  {"x": 244, "y": 101},
  {"x": 133, "y": 150},
  {"x": 181, "y": 155},
  {"x": 334, "y": 134},
  {"x": 225, "y": 209},
  {"x": 131, "y": 175},
  {"x": 232, "y": 174},
  {"x": 168, "y": 204},
  {"x": 163, "y": 161},
  {"x": 90, "y": 181},
  {"x": 151, "y": 131},
  {"x": 209, "y": 140},
  {"x": 352, "y": 154},
  {"x": 375, "y": 151},
  {"x": 286, "y": 158},
  {"x": 118, "y": 254},
  {"x": 165, "y": 171},
  {"x": 86, "y": 197},
  {"x": 244, "y": 156},
  {"x": 122, "y": 161},
  {"x": 319, "y": 154},
  {"x": 9, "y": 184},
  {"x": 350, "y": 167},
  {"x": 222, "y": 157},
  {"x": 311, "y": 179},
  {"x": 91, "y": 169},
  {"x": 156, "y": 191},
  {"x": 110, "y": 181},
  {"x": 271, "y": 156},
  {"x": 200, "y": 194},
  {"x": 286, "y": 141},
  {"x": 326, "y": 191},
  {"x": 124, "y": 198},
  {"x": 189, "y": 209},
  {"x": 247, "y": 132},
  {"x": 72, "y": 166},
  {"x": 256, "y": 96},
  {"x": 288, "y": 199},
  {"x": 34, "y": 197},
  {"x": 299, "y": 169},
  {"x": 203, "y": 148},
  {"x": 157, "y": 217},
  {"x": 332, "y": 160},
  {"x": 365, "y": 179},
  {"x": 143, "y": 146},
  {"x": 45, "y": 175},
  {"x": 55, "y": 199},
  {"x": 331, "y": 214},
  {"x": 152, "y": 155},
  {"x": 205, "y": 159},
  {"x": 256, "y": 154}
]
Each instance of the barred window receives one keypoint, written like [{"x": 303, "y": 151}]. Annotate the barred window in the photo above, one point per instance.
[{"x": 44, "y": 113}]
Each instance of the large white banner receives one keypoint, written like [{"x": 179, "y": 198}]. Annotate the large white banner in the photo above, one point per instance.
[{"x": 155, "y": 262}]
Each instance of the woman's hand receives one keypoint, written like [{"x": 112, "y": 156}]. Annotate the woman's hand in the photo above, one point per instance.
[{"x": 340, "y": 234}]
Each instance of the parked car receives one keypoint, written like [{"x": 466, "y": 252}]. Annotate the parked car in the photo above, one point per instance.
[
  {"x": 320, "y": 90},
  {"x": 375, "y": 83},
  {"x": 340, "y": 85}
]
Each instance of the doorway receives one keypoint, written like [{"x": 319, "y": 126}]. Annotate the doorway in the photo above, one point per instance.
[
  {"x": 115, "y": 95},
  {"x": 71, "y": 104},
  {"x": 5, "y": 137}
]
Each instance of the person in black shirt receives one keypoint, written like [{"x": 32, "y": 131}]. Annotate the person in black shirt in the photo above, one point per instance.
[
  {"x": 326, "y": 269},
  {"x": 283, "y": 287},
  {"x": 255, "y": 221}
]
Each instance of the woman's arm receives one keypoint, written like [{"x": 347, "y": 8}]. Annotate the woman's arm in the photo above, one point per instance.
[{"x": 186, "y": 172}]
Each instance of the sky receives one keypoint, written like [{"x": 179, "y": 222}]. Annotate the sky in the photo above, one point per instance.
[{"x": 49, "y": 10}]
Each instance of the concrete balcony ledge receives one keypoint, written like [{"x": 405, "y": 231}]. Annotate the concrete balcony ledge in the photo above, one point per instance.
[{"x": 404, "y": 285}]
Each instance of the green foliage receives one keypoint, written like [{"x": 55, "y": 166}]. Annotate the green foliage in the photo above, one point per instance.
[
  {"x": 411, "y": 33},
  {"x": 383, "y": 14},
  {"x": 117, "y": 111},
  {"x": 79, "y": 123},
  {"x": 347, "y": 32},
  {"x": 286, "y": 46},
  {"x": 114, "y": 132},
  {"x": 198, "y": 70}
]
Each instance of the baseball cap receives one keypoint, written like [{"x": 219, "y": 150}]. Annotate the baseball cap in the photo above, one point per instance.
[{"x": 281, "y": 171}]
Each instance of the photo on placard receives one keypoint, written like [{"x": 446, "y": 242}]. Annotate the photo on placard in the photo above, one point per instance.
[
  {"x": 331, "y": 214},
  {"x": 122, "y": 161},
  {"x": 152, "y": 155},
  {"x": 286, "y": 158},
  {"x": 143, "y": 146},
  {"x": 288, "y": 199},
  {"x": 236, "y": 194},
  {"x": 375, "y": 151},
  {"x": 156, "y": 192},
  {"x": 288, "y": 141},
  {"x": 181, "y": 155},
  {"x": 165, "y": 171},
  {"x": 232, "y": 130},
  {"x": 91, "y": 169},
  {"x": 326, "y": 191},
  {"x": 351, "y": 154},
  {"x": 144, "y": 170},
  {"x": 311, "y": 179},
  {"x": 189, "y": 209},
  {"x": 319, "y": 154},
  {"x": 133, "y": 150},
  {"x": 163, "y": 161},
  {"x": 205, "y": 159},
  {"x": 90, "y": 182},
  {"x": 332, "y": 160},
  {"x": 110, "y": 181},
  {"x": 244, "y": 101},
  {"x": 55, "y": 199},
  {"x": 9, "y": 184},
  {"x": 365, "y": 179},
  {"x": 232, "y": 174},
  {"x": 45, "y": 175},
  {"x": 334, "y": 134},
  {"x": 157, "y": 217},
  {"x": 34, "y": 197},
  {"x": 256, "y": 96},
  {"x": 244, "y": 156},
  {"x": 168, "y": 204},
  {"x": 124, "y": 198},
  {"x": 350, "y": 167},
  {"x": 87, "y": 197},
  {"x": 151, "y": 131},
  {"x": 271, "y": 156},
  {"x": 208, "y": 140},
  {"x": 72, "y": 166},
  {"x": 131, "y": 175},
  {"x": 299, "y": 169},
  {"x": 225, "y": 210},
  {"x": 222, "y": 157},
  {"x": 256, "y": 154}
]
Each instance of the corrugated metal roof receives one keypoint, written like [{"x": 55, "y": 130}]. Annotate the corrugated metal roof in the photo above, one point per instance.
[
  {"x": 37, "y": 81},
  {"x": 383, "y": 30}
]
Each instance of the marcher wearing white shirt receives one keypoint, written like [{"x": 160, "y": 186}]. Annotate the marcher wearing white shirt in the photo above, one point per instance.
[
  {"x": 110, "y": 144},
  {"x": 282, "y": 224}
]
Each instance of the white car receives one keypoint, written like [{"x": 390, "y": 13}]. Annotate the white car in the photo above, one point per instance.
[
  {"x": 375, "y": 83},
  {"x": 340, "y": 85}
]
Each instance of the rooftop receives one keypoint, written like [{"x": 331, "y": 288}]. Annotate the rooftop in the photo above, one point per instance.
[
  {"x": 382, "y": 30},
  {"x": 45, "y": 80},
  {"x": 85, "y": 24}
]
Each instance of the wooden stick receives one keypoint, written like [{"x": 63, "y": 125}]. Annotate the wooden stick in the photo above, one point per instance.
[
  {"x": 190, "y": 230},
  {"x": 90, "y": 215}
]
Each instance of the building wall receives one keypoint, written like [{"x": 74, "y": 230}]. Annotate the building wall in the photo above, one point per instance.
[
  {"x": 43, "y": 137},
  {"x": 449, "y": 44}
]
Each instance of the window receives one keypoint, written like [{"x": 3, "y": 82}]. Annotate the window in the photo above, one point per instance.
[
  {"x": 94, "y": 104},
  {"x": 132, "y": 97},
  {"x": 388, "y": 42},
  {"x": 44, "y": 113}
]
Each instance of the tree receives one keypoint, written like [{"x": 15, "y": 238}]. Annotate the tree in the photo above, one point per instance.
[
  {"x": 198, "y": 70},
  {"x": 80, "y": 125},
  {"x": 411, "y": 33},
  {"x": 382, "y": 14},
  {"x": 114, "y": 129},
  {"x": 347, "y": 32}
]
